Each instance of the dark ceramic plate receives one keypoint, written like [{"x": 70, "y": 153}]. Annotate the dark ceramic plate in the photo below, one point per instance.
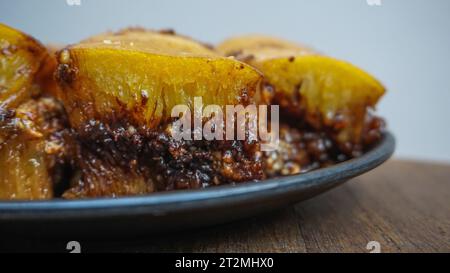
[{"x": 180, "y": 209}]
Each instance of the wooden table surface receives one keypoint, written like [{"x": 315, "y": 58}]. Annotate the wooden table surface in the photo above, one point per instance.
[{"x": 405, "y": 206}]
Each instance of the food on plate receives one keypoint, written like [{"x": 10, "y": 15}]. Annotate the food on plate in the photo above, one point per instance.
[
  {"x": 33, "y": 148},
  {"x": 21, "y": 58},
  {"x": 119, "y": 89},
  {"x": 139, "y": 75},
  {"x": 328, "y": 100},
  {"x": 95, "y": 118}
]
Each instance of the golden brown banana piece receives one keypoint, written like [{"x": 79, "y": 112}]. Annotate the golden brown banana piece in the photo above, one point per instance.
[
  {"x": 330, "y": 95},
  {"x": 21, "y": 58},
  {"x": 139, "y": 76},
  {"x": 33, "y": 148}
]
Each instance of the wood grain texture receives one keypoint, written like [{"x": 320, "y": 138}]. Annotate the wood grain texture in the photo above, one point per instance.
[{"x": 403, "y": 205}]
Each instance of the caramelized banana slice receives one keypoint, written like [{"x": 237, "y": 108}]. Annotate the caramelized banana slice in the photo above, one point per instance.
[
  {"x": 329, "y": 94},
  {"x": 32, "y": 150},
  {"x": 138, "y": 76},
  {"x": 20, "y": 59}
]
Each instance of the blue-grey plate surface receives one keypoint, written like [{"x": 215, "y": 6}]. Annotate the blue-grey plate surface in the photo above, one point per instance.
[{"x": 177, "y": 210}]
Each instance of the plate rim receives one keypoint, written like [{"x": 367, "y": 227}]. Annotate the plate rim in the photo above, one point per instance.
[{"x": 161, "y": 203}]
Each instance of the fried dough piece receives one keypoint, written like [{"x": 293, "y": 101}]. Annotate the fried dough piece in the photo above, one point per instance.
[
  {"x": 330, "y": 95},
  {"x": 20, "y": 60},
  {"x": 33, "y": 149}
]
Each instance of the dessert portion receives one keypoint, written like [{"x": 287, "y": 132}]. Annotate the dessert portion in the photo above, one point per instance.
[
  {"x": 326, "y": 93},
  {"x": 326, "y": 103},
  {"x": 119, "y": 90},
  {"x": 34, "y": 149},
  {"x": 95, "y": 119}
]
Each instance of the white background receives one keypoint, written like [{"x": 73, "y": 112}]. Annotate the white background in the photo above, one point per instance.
[{"x": 404, "y": 43}]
